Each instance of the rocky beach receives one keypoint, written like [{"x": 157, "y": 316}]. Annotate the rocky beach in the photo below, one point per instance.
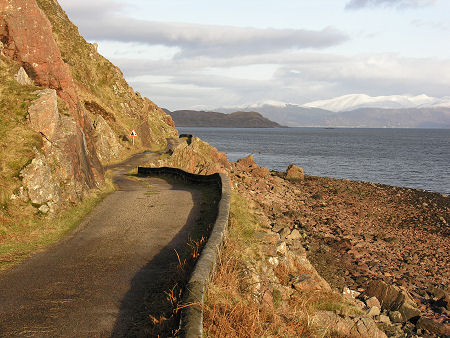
[{"x": 366, "y": 240}]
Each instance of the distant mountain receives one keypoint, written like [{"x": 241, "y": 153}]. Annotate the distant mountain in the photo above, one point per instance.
[
  {"x": 357, "y": 101},
  {"x": 194, "y": 118},
  {"x": 294, "y": 115}
]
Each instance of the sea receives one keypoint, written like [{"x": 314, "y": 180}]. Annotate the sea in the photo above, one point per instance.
[{"x": 413, "y": 158}]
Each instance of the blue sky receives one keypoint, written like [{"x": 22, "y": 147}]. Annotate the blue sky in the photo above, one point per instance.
[{"x": 209, "y": 54}]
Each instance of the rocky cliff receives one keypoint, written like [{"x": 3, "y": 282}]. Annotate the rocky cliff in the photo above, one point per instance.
[{"x": 65, "y": 109}]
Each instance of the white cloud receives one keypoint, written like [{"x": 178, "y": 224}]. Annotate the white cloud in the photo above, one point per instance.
[
  {"x": 357, "y": 4},
  {"x": 296, "y": 77}
]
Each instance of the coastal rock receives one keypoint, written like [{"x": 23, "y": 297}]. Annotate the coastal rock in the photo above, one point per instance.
[
  {"x": 373, "y": 301},
  {"x": 294, "y": 235},
  {"x": 294, "y": 173},
  {"x": 345, "y": 326},
  {"x": 261, "y": 172},
  {"x": 374, "y": 311},
  {"x": 247, "y": 163},
  {"x": 43, "y": 113},
  {"x": 433, "y": 327},
  {"x": 197, "y": 157},
  {"x": 395, "y": 317},
  {"x": 394, "y": 299},
  {"x": 22, "y": 77}
]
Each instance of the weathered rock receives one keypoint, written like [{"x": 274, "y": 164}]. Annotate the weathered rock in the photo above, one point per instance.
[
  {"x": 350, "y": 294},
  {"x": 373, "y": 301},
  {"x": 294, "y": 235},
  {"x": 281, "y": 249},
  {"x": 43, "y": 113},
  {"x": 28, "y": 38},
  {"x": 107, "y": 144},
  {"x": 44, "y": 209},
  {"x": 294, "y": 173},
  {"x": 385, "y": 319},
  {"x": 261, "y": 172},
  {"x": 433, "y": 326},
  {"x": 395, "y": 317},
  {"x": 394, "y": 299},
  {"x": 345, "y": 326},
  {"x": 374, "y": 311},
  {"x": 22, "y": 77},
  {"x": 38, "y": 180},
  {"x": 247, "y": 163}
]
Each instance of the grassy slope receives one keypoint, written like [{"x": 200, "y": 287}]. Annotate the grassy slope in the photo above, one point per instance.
[
  {"x": 99, "y": 81},
  {"x": 23, "y": 230}
]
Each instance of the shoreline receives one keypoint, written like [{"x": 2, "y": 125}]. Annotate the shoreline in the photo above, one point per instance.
[{"x": 356, "y": 232}]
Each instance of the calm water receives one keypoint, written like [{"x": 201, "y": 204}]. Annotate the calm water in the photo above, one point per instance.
[{"x": 415, "y": 158}]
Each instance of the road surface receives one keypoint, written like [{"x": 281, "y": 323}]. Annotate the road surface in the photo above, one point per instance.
[{"x": 93, "y": 283}]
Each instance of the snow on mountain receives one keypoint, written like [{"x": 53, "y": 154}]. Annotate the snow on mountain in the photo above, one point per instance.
[{"x": 355, "y": 101}]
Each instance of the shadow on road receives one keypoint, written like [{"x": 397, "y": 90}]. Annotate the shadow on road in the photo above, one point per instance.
[{"x": 149, "y": 307}]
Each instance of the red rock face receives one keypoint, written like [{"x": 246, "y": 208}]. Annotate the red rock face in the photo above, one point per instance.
[{"x": 26, "y": 34}]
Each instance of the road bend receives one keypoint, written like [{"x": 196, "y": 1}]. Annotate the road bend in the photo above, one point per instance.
[{"x": 92, "y": 283}]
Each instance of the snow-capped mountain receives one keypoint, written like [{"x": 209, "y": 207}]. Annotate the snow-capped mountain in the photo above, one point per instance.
[
  {"x": 357, "y": 101},
  {"x": 358, "y": 110}
]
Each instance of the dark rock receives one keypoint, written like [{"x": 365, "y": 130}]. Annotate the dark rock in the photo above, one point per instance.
[
  {"x": 394, "y": 299},
  {"x": 433, "y": 326}
]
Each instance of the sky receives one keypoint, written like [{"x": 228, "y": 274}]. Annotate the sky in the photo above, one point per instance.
[{"x": 206, "y": 54}]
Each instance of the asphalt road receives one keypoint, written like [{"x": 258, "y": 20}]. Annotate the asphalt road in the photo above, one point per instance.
[{"x": 92, "y": 284}]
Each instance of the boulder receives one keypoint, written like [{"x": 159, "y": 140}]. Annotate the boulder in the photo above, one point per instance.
[
  {"x": 294, "y": 173},
  {"x": 43, "y": 113},
  {"x": 37, "y": 178},
  {"x": 107, "y": 144},
  {"x": 261, "y": 172},
  {"x": 393, "y": 299},
  {"x": 22, "y": 77},
  {"x": 345, "y": 326},
  {"x": 395, "y": 317},
  {"x": 374, "y": 311},
  {"x": 247, "y": 163},
  {"x": 294, "y": 235},
  {"x": 373, "y": 301},
  {"x": 433, "y": 326}
]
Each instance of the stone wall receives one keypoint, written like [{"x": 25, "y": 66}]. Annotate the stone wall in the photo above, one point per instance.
[{"x": 191, "y": 324}]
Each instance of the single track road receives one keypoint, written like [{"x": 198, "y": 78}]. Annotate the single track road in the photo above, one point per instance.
[{"x": 93, "y": 283}]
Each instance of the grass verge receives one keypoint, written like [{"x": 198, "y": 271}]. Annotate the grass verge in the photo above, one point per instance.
[
  {"x": 234, "y": 309},
  {"x": 34, "y": 232}
]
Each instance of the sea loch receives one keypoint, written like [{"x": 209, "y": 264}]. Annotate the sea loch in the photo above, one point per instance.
[{"x": 415, "y": 158}]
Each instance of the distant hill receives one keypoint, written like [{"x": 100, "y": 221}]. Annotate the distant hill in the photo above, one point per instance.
[
  {"x": 194, "y": 118},
  {"x": 293, "y": 115}
]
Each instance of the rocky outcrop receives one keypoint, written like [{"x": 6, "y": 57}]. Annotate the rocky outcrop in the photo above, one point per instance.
[
  {"x": 40, "y": 57},
  {"x": 39, "y": 181},
  {"x": 198, "y": 157},
  {"x": 294, "y": 172},
  {"x": 107, "y": 145},
  {"x": 331, "y": 323},
  {"x": 22, "y": 77},
  {"x": 393, "y": 299},
  {"x": 43, "y": 113}
]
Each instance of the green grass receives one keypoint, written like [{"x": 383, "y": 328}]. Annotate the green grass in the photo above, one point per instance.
[{"x": 34, "y": 232}]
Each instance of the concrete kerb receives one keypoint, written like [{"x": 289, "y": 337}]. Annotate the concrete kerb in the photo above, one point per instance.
[{"x": 191, "y": 323}]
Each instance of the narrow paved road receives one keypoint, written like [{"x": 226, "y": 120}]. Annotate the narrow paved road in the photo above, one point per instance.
[{"x": 93, "y": 283}]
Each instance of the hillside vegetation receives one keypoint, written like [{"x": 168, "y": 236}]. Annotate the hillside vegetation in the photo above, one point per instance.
[{"x": 70, "y": 113}]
